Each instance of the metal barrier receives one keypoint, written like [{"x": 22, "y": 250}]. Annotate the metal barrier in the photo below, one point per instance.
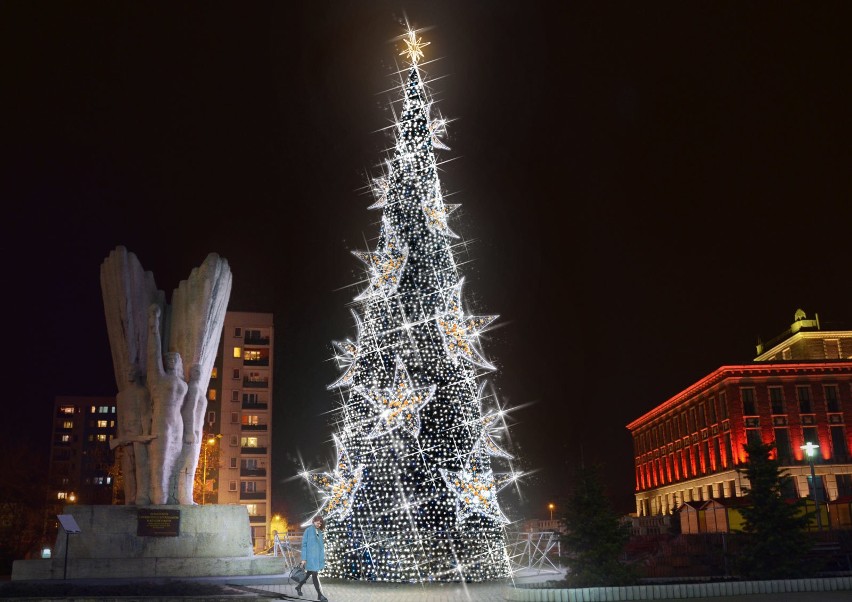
[{"x": 534, "y": 551}]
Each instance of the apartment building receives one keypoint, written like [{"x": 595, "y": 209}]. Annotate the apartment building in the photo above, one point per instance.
[{"x": 240, "y": 420}]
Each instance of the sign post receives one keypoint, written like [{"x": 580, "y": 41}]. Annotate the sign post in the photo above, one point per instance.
[{"x": 69, "y": 525}]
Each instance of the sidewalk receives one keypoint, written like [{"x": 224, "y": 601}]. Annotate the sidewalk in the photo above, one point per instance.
[
  {"x": 340, "y": 591},
  {"x": 278, "y": 587}
]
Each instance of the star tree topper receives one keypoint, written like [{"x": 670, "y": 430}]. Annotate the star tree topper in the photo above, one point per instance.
[
  {"x": 399, "y": 405},
  {"x": 414, "y": 47}
]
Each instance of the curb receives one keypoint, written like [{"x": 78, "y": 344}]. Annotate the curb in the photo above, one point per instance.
[{"x": 677, "y": 590}]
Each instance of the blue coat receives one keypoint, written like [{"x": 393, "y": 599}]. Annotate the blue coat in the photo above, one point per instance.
[{"x": 313, "y": 549}]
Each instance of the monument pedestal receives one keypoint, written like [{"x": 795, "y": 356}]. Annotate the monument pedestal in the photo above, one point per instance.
[{"x": 153, "y": 541}]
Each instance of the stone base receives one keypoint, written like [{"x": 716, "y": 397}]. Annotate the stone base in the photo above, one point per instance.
[{"x": 212, "y": 541}]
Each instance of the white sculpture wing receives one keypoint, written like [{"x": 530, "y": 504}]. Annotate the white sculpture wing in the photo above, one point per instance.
[
  {"x": 127, "y": 292},
  {"x": 198, "y": 314}
]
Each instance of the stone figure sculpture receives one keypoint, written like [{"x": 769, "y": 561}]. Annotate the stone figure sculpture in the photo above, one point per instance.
[
  {"x": 134, "y": 433},
  {"x": 192, "y": 413},
  {"x": 167, "y": 388},
  {"x": 161, "y": 419}
]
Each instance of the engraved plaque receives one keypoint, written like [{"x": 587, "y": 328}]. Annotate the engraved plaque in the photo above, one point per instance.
[{"x": 154, "y": 522}]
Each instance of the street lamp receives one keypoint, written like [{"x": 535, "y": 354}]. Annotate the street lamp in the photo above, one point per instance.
[
  {"x": 551, "y": 506},
  {"x": 210, "y": 441},
  {"x": 810, "y": 452}
]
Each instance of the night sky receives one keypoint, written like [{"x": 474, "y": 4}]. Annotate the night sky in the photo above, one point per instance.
[{"x": 646, "y": 188}]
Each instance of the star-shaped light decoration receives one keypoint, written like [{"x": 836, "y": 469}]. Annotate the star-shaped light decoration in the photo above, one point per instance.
[
  {"x": 414, "y": 47},
  {"x": 460, "y": 333},
  {"x": 399, "y": 405},
  {"x": 347, "y": 357},
  {"x": 437, "y": 128},
  {"x": 487, "y": 442},
  {"x": 381, "y": 188},
  {"x": 476, "y": 490},
  {"x": 489, "y": 421},
  {"x": 436, "y": 214},
  {"x": 338, "y": 487},
  {"x": 385, "y": 264}
]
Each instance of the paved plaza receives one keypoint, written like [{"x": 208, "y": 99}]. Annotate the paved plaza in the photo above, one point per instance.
[{"x": 347, "y": 591}]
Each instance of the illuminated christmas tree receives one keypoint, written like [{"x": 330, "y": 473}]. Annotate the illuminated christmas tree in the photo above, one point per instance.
[{"x": 413, "y": 496}]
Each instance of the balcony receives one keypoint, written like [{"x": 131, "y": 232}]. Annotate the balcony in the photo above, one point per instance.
[
  {"x": 252, "y": 495},
  {"x": 253, "y": 450},
  {"x": 252, "y": 472},
  {"x": 255, "y": 340},
  {"x": 253, "y": 427},
  {"x": 264, "y": 361},
  {"x": 247, "y": 405},
  {"x": 256, "y": 384},
  {"x": 257, "y": 518}
]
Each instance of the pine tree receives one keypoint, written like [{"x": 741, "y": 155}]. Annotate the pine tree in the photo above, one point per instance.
[
  {"x": 413, "y": 496},
  {"x": 595, "y": 538},
  {"x": 774, "y": 535}
]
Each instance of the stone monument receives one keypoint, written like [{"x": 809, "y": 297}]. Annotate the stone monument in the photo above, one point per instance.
[{"x": 163, "y": 357}]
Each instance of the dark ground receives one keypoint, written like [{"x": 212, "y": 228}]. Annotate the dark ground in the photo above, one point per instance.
[{"x": 40, "y": 590}]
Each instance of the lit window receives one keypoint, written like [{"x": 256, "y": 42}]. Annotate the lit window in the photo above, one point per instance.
[
  {"x": 112, "y": 423},
  {"x": 211, "y": 394},
  {"x": 66, "y": 438},
  {"x": 102, "y": 437},
  {"x": 104, "y": 410},
  {"x": 108, "y": 480},
  {"x": 102, "y": 424},
  {"x": 248, "y": 442},
  {"x": 252, "y": 509},
  {"x": 251, "y": 420},
  {"x": 252, "y": 355},
  {"x": 61, "y": 495},
  {"x": 68, "y": 424},
  {"x": 94, "y": 409},
  {"x": 238, "y": 352},
  {"x": 66, "y": 409},
  {"x": 214, "y": 373}
]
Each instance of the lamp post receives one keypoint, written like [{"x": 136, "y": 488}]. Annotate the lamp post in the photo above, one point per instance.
[
  {"x": 810, "y": 452},
  {"x": 551, "y": 506},
  {"x": 207, "y": 443}
]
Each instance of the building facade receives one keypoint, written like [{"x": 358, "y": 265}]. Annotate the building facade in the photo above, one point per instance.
[
  {"x": 238, "y": 439},
  {"x": 81, "y": 468},
  {"x": 797, "y": 390}
]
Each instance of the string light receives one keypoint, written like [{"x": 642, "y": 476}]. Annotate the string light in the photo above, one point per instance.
[{"x": 422, "y": 503}]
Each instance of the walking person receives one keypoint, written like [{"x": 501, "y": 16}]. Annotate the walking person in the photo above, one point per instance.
[{"x": 313, "y": 555}]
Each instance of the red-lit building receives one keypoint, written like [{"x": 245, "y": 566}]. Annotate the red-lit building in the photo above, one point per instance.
[{"x": 797, "y": 390}]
